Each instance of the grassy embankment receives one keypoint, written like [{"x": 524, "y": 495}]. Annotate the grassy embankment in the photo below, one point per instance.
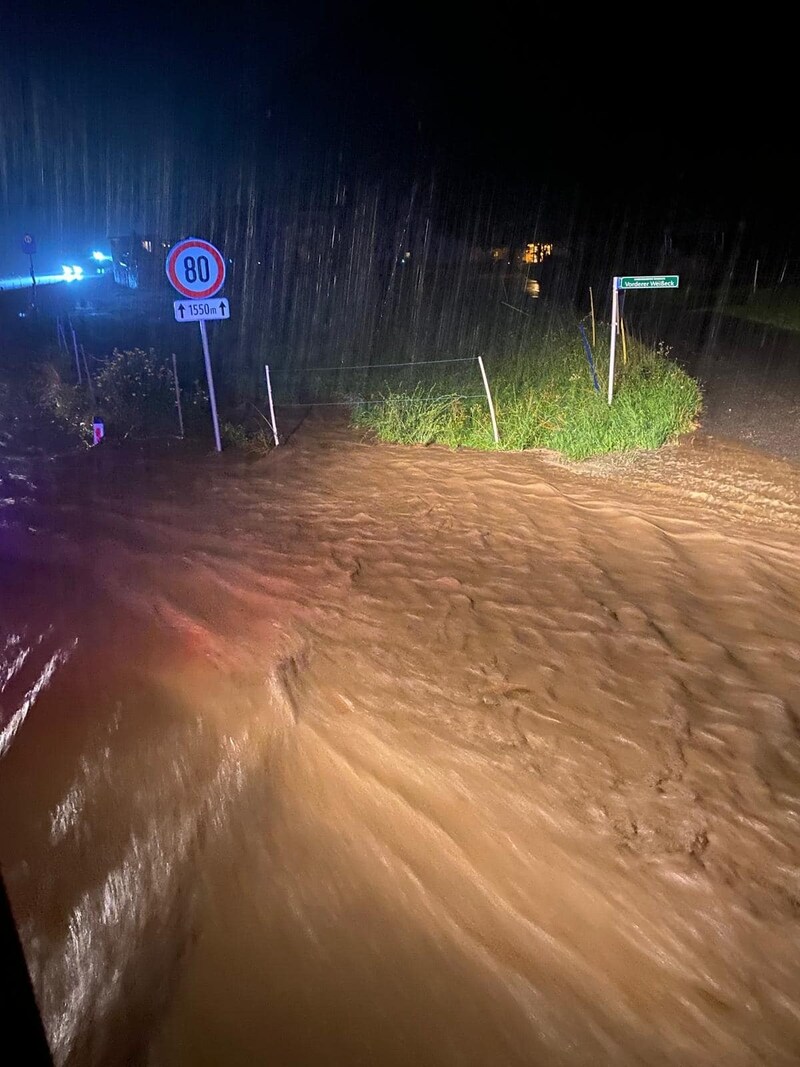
[{"x": 543, "y": 400}]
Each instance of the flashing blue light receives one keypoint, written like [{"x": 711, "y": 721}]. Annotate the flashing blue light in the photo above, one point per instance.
[
  {"x": 101, "y": 257},
  {"x": 72, "y": 274}
]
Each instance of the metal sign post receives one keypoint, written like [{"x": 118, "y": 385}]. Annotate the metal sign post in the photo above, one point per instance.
[
  {"x": 637, "y": 281},
  {"x": 211, "y": 394},
  {"x": 613, "y": 349},
  {"x": 196, "y": 269}
]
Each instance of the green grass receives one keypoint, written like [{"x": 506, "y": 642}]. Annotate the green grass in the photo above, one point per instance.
[
  {"x": 773, "y": 307},
  {"x": 543, "y": 399}
]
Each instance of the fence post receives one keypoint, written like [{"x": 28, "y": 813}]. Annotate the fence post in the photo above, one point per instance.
[
  {"x": 88, "y": 377},
  {"x": 177, "y": 393},
  {"x": 271, "y": 406},
  {"x": 489, "y": 400},
  {"x": 591, "y": 305},
  {"x": 587, "y": 349},
  {"x": 77, "y": 357}
]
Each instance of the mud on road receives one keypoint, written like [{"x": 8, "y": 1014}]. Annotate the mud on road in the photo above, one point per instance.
[{"x": 367, "y": 754}]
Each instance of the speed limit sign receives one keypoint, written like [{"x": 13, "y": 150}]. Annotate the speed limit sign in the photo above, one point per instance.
[{"x": 195, "y": 268}]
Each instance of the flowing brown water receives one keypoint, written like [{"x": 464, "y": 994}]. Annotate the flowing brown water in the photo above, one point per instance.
[{"x": 387, "y": 756}]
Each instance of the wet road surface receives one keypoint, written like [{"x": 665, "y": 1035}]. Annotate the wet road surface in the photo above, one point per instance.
[
  {"x": 750, "y": 374},
  {"x": 365, "y": 754}
]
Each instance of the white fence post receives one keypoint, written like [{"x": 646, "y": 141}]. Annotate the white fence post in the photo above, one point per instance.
[
  {"x": 271, "y": 406},
  {"x": 489, "y": 400}
]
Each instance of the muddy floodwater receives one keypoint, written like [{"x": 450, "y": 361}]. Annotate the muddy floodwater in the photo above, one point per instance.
[{"x": 374, "y": 755}]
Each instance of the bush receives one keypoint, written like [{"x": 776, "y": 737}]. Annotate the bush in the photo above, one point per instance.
[
  {"x": 67, "y": 403},
  {"x": 133, "y": 393}
]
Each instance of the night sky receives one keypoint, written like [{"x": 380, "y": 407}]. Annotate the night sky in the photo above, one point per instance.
[{"x": 598, "y": 119}]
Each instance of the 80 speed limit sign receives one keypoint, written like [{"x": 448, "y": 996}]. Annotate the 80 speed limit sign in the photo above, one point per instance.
[{"x": 195, "y": 268}]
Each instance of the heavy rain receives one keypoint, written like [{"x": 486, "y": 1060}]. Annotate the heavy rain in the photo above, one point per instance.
[{"x": 401, "y": 666}]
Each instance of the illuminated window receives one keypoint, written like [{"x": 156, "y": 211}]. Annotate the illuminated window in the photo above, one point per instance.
[{"x": 536, "y": 253}]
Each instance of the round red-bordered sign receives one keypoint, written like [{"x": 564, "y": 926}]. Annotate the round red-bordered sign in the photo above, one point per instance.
[{"x": 195, "y": 268}]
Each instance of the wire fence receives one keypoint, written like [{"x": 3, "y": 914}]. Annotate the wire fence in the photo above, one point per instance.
[
  {"x": 362, "y": 371},
  {"x": 371, "y": 366},
  {"x": 383, "y": 400},
  {"x": 395, "y": 397}
]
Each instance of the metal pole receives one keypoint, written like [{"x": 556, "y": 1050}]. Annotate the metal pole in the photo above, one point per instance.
[
  {"x": 624, "y": 337},
  {"x": 590, "y": 358},
  {"x": 489, "y": 398},
  {"x": 177, "y": 392},
  {"x": 591, "y": 305},
  {"x": 210, "y": 379},
  {"x": 77, "y": 357},
  {"x": 88, "y": 377},
  {"x": 614, "y": 317},
  {"x": 271, "y": 407}
]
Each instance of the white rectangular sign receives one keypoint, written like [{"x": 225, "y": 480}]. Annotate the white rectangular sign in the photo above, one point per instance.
[{"x": 198, "y": 310}]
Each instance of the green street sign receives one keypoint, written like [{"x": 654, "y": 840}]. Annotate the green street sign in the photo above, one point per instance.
[{"x": 649, "y": 281}]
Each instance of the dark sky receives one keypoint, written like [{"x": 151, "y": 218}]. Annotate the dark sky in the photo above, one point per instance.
[{"x": 643, "y": 113}]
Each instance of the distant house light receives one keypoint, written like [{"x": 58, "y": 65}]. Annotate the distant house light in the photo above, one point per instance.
[{"x": 536, "y": 252}]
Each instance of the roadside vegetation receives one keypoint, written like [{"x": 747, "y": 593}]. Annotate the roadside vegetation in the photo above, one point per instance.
[
  {"x": 544, "y": 399},
  {"x": 133, "y": 393}
]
